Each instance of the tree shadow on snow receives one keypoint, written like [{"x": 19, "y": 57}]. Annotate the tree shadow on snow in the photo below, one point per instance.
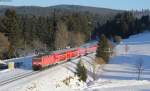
[{"x": 129, "y": 62}]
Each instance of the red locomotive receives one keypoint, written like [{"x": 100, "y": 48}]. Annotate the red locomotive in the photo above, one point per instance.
[{"x": 42, "y": 61}]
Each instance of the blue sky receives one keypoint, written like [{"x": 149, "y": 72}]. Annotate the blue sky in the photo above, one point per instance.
[{"x": 114, "y": 4}]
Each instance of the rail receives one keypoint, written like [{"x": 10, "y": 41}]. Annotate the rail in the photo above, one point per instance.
[{"x": 18, "y": 77}]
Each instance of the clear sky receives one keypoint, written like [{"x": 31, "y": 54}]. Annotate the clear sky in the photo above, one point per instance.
[{"x": 114, "y": 4}]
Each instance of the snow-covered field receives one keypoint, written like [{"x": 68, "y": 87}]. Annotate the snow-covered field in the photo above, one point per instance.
[{"x": 120, "y": 74}]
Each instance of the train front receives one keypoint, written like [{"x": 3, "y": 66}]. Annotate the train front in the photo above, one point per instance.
[{"x": 37, "y": 63}]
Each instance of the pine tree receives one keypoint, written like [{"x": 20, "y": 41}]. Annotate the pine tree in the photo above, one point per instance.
[
  {"x": 12, "y": 29},
  {"x": 81, "y": 71},
  {"x": 11, "y": 26},
  {"x": 53, "y": 32},
  {"x": 102, "y": 50}
]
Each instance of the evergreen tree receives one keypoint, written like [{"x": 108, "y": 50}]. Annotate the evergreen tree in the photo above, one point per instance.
[
  {"x": 11, "y": 29},
  {"x": 11, "y": 26},
  {"x": 103, "y": 48},
  {"x": 53, "y": 31},
  {"x": 81, "y": 71}
]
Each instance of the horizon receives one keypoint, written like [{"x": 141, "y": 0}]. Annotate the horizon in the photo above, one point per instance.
[{"x": 110, "y": 4}]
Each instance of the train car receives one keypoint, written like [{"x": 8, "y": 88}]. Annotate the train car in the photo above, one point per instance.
[
  {"x": 64, "y": 56},
  {"x": 40, "y": 62},
  {"x": 47, "y": 60},
  {"x": 82, "y": 51},
  {"x": 91, "y": 49},
  {"x": 43, "y": 61},
  {"x": 73, "y": 53}
]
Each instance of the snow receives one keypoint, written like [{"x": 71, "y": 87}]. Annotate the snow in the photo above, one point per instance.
[
  {"x": 139, "y": 38},
  {"x": 26, "y": 67},
  {"x": 101, "y": 84},
  {"x": 49, "y": 80},
  {"x": 120, "y": 74}
]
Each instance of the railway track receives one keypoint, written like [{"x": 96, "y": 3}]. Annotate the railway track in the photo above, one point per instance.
[
  {"x": 18, "y": 77},
  {"x": 21, "y": 76},
  {"x": 24, "y": 75}
]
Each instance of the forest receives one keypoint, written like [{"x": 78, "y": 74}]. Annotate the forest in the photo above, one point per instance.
[{"x": 22, "y": 34}]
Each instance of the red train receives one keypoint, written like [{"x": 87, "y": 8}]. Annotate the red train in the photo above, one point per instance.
[{"x": 40, "y": 62}]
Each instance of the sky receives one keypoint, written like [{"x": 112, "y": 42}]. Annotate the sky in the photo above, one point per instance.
[{"x": 113, "y": 4}]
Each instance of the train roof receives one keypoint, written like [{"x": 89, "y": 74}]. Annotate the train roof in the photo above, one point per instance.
[
  {"x": 63, "y": 50},
  {"x": 54, "y": 52},
  {"x": 67, "y": 49}
]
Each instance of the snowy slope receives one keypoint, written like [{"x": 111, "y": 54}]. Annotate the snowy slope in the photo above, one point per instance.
[
  {"x": 141, "y": 38},
  {"x": 49, "y": 80},
  {"x": 121, "y": 72},
  {"x": 119, "y": 75}
]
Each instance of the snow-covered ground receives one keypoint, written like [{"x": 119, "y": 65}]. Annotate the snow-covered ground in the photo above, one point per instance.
[
  {"x": 119, "y": 75},
  {"x": 49, "y": 80},
  {"x": 25, "y": 67}
]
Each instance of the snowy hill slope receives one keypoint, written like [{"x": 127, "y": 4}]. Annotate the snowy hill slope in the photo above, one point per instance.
[
  {"x": 141, "y": 38},
  {"x": 119, "y": 75}
]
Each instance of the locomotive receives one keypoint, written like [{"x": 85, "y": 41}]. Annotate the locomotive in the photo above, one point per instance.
[{"x": 42, "y": 61}]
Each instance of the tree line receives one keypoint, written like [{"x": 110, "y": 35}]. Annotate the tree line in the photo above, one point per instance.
[
  {"x": 20, "y": 34},
  {"x": 120, "y": 27},
  {"x": 123, "y": 25}
]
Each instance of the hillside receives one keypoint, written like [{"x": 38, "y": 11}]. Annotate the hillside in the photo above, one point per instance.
[{"x": 45, "y": 11}]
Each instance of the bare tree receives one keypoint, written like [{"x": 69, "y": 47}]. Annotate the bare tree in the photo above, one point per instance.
[
  {"x": 126, "y": 49},
  {"x": 76, "y": 38},
  {"x": 61, "y": 36},
  {"x": 139, "y": 68},
  {"x": 39, "y": 46},
  {"x": 4, "y": 44}
]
